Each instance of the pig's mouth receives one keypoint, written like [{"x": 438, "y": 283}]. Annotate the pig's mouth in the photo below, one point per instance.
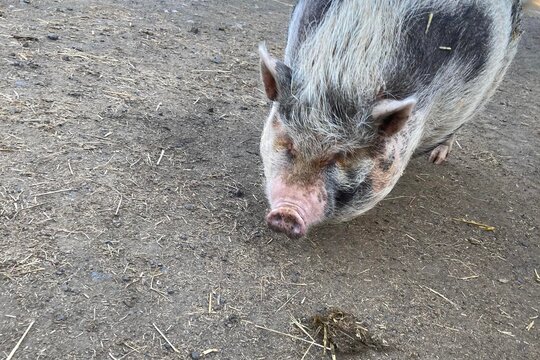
[{"x": 290, "y": 219}]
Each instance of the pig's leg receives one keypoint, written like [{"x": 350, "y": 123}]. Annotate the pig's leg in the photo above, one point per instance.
[{"x": 440, "y": 153}]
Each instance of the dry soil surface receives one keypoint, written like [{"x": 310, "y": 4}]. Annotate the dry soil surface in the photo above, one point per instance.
[{"x": 131, "y": 201}]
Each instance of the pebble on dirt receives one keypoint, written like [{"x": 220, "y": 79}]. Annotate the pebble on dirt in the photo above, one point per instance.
[{"x": 53, "y": 36}]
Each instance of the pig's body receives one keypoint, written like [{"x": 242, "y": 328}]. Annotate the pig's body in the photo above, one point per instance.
[{"x": 364, "y": 86}]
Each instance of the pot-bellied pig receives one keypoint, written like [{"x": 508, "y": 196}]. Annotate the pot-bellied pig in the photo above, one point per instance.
[{"x": 365, "y": 85}]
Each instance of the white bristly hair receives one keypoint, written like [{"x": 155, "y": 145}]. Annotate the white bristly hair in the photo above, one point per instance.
[
  {"x": 357, "y": 41},
  {"x": 340, "y": 62}
]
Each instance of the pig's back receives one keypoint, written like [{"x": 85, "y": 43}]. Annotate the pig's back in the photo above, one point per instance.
[{"x": 447, "y": 54}]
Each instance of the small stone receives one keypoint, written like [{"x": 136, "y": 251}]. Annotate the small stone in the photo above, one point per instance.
[
  {"x": 66, "y": 288},
  {"x": 131, "y": 301},
  {"x": 475, "y": 241},
  {"x": 116, "y": 221},
  {"x": 217, "y": 59},
  {"x": 59, "y": 317},
  {"x": 232, "y": 320},
  {"x": 53, "y": 37},
  {"x": 189, "y": 207},
  {"x": 195, "y": 355},
  {"x": 504, "y": 281},
  {"x": 21, "y": 83},
  {"x": 237, "y": 193}
]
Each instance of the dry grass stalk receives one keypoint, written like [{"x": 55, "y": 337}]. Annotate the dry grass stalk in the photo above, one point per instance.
[
  {"x": 10, "y": 356},
  {"x": 285, "y": 334},
  {"x": 341, "y": 332},
  {"x": 430, "y": 19},
  {"x": 440, "y": 295},
  {"x": 167, "y": 340},
  {"x": 480, "y": 225},
  {"x": 209, "y": 351}
]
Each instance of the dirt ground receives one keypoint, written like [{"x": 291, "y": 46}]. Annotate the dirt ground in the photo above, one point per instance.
[{"x": 131, "y": 201}]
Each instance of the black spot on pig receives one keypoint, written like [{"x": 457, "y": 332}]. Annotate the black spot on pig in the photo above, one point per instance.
[
  {"x": 461, "y": 36},
  {"x": 314, "y": 13},
  {"x": 345, "y": 196}
]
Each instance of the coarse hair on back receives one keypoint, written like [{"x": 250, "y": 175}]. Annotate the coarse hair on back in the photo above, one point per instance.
[{"x": 354, "y": 56}]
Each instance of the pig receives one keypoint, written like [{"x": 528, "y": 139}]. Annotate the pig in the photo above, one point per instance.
[{"x": 366, "y": 85}]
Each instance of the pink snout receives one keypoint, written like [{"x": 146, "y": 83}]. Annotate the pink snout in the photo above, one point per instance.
[
  {"x": 295, "y": 208},
  {"x": 287, "y": 220}
]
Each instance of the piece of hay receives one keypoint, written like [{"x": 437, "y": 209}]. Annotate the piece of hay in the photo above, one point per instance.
[
  {"x": 475, "y": 223},
  {"x": 344, "y": 332}
]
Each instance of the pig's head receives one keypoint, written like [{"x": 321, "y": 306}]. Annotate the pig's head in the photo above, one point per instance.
[{"x": 330, "y": 159}]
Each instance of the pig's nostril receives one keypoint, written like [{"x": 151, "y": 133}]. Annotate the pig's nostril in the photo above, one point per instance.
[
  {"x": 287, "y": 221},
  {"x": 275, "y": 221}
]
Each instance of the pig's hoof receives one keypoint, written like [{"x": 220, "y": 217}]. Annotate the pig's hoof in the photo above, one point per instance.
[
  {"x": 287, "y": 221},
  {"x": 439, "y": 154}
]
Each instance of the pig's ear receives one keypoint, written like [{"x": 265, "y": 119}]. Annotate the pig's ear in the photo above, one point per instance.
[
  {"x": 276, "y": 76},
  {"x": 391, "y": 115}
]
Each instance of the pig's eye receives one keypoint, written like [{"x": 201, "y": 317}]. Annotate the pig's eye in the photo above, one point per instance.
[
  {"x": 291, "y": 152},
  {"x": 339, "y": 158},
  {"x": 346, "y": 158}
]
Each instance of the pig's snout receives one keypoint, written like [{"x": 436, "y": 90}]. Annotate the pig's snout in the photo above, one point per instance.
[
  {"x": 288, "y": 221},
  {"x": 294, "y": 208}
]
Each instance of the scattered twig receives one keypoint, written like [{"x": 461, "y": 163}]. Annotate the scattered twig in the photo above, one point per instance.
[
  {"x": 287, "y": 335},
  {"x": 302, "y": 328},
  {"x": 25, "y": 37},
  {"x": 506, "y": 333},
  {"x": 441, "y": 295},
  {"x": 167, "y": 340},
  {"x": 288, "y": 301},
  {"x": 210, "y": 299},
  {"x": 118, "y": 207},
  {"x": 430, "y": 19},
  {"x": 10, "y": 356},
  {"x": 209, "y": 351},
  {"x": 469, "y": 277},
  {"x": 480, "y": 225},
  {"x": 53, "y": 192},
  {"x": 157, "y": 290},
  {"x": 160, "y": 156}
]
